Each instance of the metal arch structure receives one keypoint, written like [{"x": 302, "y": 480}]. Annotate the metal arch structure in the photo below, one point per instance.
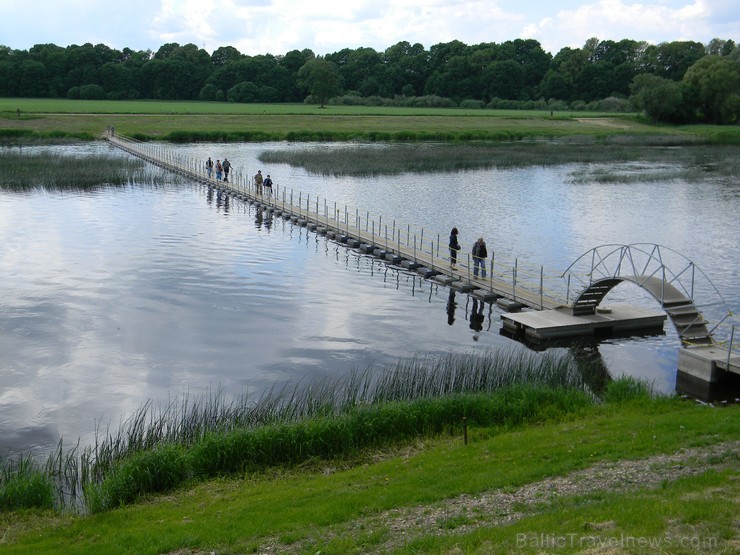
[{"x": 683, "y": 290}]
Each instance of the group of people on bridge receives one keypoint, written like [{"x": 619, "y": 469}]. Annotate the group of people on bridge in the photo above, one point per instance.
[
  {"x": 222, "y": 169},
  {"x": 479, "y": 252},
  {"x": 261, "y": 184}
]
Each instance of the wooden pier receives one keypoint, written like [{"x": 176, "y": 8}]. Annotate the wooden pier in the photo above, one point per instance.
[{"x": 561, "y": 323}]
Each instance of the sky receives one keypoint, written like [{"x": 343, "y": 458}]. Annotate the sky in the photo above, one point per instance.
[{"x": 327, "y": 26}]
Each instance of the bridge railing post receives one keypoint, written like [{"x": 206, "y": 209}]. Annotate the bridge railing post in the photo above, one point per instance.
[
  {"x": 542, "y": 276},
  {"x": 513, "y": 282},
  {"x": 729, "y": 350}
]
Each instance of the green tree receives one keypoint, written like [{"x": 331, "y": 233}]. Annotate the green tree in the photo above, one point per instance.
[
  {"x": 715, "y": 84},
  {"x": 320, "y": 78},
  {"x": 225, "y": 54},
  {"x": 504, "y": 80},
  {"x": 208, "y": 92},
  {"x": 672, "y": 59},
  {"x": 91, "y": 92},
  {"x": 246, "y": 91},
  {"x": 661, "y": 99}
]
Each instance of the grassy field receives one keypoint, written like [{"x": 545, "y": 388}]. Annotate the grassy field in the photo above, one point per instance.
[
  {"x": 192, "y": 121},
  {"x": 609, "y": 478}
]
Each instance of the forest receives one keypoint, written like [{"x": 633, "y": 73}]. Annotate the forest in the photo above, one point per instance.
[{"x": 676, "y": 82}]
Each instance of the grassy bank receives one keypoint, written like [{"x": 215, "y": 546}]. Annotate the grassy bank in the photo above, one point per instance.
[
  {"x": 598, "y": 472},
  {"x": 159, "y": 449},
  {"x": 212, "y": 121}
]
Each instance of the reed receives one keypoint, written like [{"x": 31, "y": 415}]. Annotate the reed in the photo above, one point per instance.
[
  {"x": 25, "y": 485},
  {"x": 686, "y": 162},
  {"x": 21, "y": 171},
  {"x": 161, "y": 447}
]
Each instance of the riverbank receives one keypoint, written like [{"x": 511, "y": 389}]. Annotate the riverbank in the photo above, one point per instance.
[
  {"x": 37, "y": 119},
  {"x": 629, "y": 473}
]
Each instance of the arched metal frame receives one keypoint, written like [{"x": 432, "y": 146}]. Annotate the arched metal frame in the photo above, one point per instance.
[{"x": 681, "y": 289}]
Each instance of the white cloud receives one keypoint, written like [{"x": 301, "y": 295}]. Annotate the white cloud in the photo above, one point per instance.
[
  {"x": 616, "y": 20},
  {"x": 325, "y": 26}
]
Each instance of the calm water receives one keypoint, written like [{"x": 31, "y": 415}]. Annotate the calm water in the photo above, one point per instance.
[{"x": 113, "y": 297}]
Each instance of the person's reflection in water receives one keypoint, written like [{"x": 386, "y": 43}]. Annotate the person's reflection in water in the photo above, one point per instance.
[
  {"x": 268, "y": 220},
  {"x": 476, "y": 318},
  {"x": 209, "y": 195},
  {"x": 259, "y": 218},
  {"x": 451, "y": 305}
]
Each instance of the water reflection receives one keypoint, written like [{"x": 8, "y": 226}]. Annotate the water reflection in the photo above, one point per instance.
[
  {"x": 451, "y": 306},
  {"x": 591, "y": 364},
  {"x": 476, "y": 318}
]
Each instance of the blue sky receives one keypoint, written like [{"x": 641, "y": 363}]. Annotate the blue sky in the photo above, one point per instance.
[{"x": 325, "y": 26}]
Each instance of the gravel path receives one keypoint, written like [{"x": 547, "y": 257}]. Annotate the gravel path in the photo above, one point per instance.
[{"x": 464, "y": 513}]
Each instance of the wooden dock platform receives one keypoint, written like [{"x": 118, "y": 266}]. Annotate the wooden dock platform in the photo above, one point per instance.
[{"x": 561, "y": 323}]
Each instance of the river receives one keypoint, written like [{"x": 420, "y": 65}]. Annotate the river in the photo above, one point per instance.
[{"x": 112, "y": 297}]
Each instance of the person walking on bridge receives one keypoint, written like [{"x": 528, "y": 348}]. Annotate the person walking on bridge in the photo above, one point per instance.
[
  {"x": 227, "y": 167},
  {"x": 454, "y": 247},
  {"x": 267, "y": 183},
  {"x": 209, "y": 167},
  {"x": 219, "y": 170},
  {"x": 479, "y": 257},
  {"x": 258, "y": 182}
]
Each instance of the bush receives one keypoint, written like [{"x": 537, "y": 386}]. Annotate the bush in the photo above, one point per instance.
[
  {"x": 92, "y": 92},
  {"x": 474, "y": 104},
  {"x": 557, "y": 105}
]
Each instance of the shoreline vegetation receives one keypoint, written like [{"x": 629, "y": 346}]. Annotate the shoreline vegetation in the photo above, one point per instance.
[
  {"x": 447, "y": 472},
  {"x": 158, "y": 449}
]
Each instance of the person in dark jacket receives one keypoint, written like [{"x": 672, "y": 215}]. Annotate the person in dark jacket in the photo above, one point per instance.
[
  {"x": 454, "y": 247},
  {"x": 479, "y": 257}
]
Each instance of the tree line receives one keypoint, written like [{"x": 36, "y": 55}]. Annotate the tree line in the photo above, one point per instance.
[{"x": 671, "y": 81}]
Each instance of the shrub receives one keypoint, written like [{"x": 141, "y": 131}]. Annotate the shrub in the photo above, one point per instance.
[
  {"x": 474, "y": 104},
  {"x": 92, "y": 92}
]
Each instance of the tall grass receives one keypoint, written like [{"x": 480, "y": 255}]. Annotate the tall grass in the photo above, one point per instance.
[
  {"x": 24, "y": 171},
  {"x": 162, "y": 446},
  {"x": 24, "y": 485},
  {"x": 689, "y": 161}
]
